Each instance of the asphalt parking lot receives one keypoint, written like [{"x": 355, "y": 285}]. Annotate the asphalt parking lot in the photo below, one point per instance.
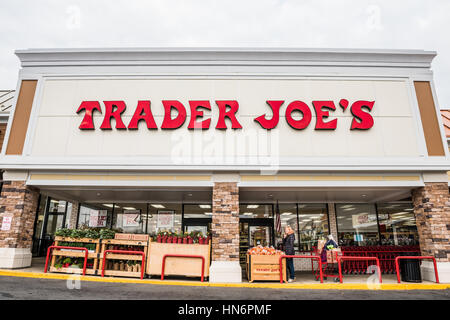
[{"x": 18, "y": 288}]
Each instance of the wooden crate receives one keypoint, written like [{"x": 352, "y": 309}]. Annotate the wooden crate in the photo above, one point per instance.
[
  {"x": 262, "y": 267},
  {"x": 107, "y": 243},
  {"x": 189, "y": 267},
  {"x": 72, "y": 254}
]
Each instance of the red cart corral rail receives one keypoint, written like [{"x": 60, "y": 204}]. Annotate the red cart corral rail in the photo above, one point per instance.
[
  {"x": 71, "y": 248},
  {"x": 417, "y": 258},
  {"x": 124, "y": 252},
  {"x": 182, "y": 256},
  {"x": 312, "y": 257},
  {"x": 339, "y": 259}
]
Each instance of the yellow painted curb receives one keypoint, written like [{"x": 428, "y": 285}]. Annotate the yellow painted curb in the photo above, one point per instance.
[{"x": 310, "y": 286}]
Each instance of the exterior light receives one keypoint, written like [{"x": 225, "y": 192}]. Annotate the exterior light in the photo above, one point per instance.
[
  {"x": 205, "y": 206},
  {"x": 157, "y": 206},
  {"x": 253, "y": 206}
]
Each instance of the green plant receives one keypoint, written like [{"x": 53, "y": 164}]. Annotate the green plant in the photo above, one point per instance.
[
  {"x": 63, "y": 232},
  {"x": 92, "y": 234},
  {"x": 107, "y": 234},
  {"x": 67, "y": 260},
  {"x": 78, "y": 233}
]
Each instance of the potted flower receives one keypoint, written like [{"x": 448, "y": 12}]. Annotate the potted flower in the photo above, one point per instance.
[
  {"x": 165, "y": 237},
  {"x": 180, "y": 238},
  {"x": 66, "y": 262},
  {"x": 174, "y": 238}
]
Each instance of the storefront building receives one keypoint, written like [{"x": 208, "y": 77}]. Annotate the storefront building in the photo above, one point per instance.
[{"x": 342, "y": 142}]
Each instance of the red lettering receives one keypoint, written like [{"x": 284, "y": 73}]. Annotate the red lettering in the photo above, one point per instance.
[
  {"x": 272, "y": 123},
  {"x": 365, "y": 119},
  {"x": 321, "y": 114},
  {"x": 193, "y": 124},
  {"x": 142, "y": 112},
  {"x": 304, "y": 109},
  {"x": 89, "y": 106},
  {"x": 168, "y": 122},
  {"x": 230, "y": 114},
  {"x": 119, "y": 107}
]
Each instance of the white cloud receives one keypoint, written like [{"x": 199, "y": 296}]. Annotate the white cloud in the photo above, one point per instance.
[{"x": 397, "y": 24}]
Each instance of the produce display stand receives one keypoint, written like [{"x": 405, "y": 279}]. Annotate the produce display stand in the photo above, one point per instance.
[
  {"x": 178, "y": 266},
  {"x": 85, "y": 251},
  {"x": 124, "y": 253},
  {"x": 74, "y": 253},
  {"x": 141, "y": 248},
  {"x": 265, "y": 267}
]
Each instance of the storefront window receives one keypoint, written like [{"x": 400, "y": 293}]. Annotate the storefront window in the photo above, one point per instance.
[
  {"x": 397, "y": 224},
  {"x": 57, "y": 206},
  {"x": 195, "y": 211},
  {"x": 288, "y": 215},
  {"x": 313, "y": 224},
  {"x": 164, "y": 217},
  {"x": 68, "y": 215},
  {"x": 130, "y": 217},
  {"x": 54, "y": 222},
  {"x": 357, "y": 224},
  {"x": 95, "y": 215},
  {"x": 255, "y": 211}
]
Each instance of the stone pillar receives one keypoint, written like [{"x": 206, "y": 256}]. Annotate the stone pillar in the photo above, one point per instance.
[
  {"x": 225, "y": 265},
  {"x": 432, "y": 210},
  {"x": 18, "y": 203},
  {"x": 74, "y": 215}
]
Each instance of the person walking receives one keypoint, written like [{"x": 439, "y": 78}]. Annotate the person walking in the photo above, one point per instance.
[{"x": 288, "y": 245}]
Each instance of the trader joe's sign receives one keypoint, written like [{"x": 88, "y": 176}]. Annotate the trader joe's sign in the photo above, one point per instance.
[{"x": 227, "y": 109}]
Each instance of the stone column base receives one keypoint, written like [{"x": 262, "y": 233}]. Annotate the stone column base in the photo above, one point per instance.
[
  {"x": 225, "y": 272},
  {"x": 14, "y": 258},
  {"x": 443, "y": 268}
]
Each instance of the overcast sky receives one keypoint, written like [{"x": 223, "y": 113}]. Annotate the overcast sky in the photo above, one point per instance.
[{"x": 392, "y": 24}]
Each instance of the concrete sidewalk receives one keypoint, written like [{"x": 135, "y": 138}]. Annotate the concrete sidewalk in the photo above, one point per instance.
[{"x": 305, "y": 280}]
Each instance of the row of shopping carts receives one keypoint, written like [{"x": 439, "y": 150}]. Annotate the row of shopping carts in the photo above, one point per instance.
[{"x": 386, "y": 255}]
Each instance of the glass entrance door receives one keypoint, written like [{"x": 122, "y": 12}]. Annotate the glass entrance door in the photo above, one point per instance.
[
  {"x": 254, "y": 232},
  {"x": 259, "y": 235}
]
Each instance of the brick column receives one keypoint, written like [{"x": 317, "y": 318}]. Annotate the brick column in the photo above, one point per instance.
[
  {"x": 225, "y": 233},
  {"x": 74, "y": 215},
  {"x": 332, "y": 220},
  {"x": 432, "y": 210},
  {"x": 19, "y": 202}
]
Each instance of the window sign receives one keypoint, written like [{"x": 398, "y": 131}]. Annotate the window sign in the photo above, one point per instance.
[
  {"x": 131, "y": 218},
  {"x": 165, "y": 219},
  {"x": 364, "y": 220},
  {"x": 97, "y": 218}
]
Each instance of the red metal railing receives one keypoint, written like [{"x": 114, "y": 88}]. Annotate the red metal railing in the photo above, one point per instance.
[
  {"x": 339, "y": 259},
  {"x": 64, "y": 247},
  {"x": 124, "y": 252},
  {"x": 182, "y": 256},
  {"x": 397, "y": 269},
  {"x": 312, "y": 257}
]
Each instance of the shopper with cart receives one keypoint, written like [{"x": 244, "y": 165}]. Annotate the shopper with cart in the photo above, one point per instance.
[{"x": 288, "y": 245}]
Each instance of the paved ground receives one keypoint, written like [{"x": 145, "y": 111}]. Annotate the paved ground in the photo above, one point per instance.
[{"x": 31, "y": 288}]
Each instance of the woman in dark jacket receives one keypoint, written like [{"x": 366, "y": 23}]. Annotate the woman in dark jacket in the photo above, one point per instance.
[{"x": 288, "y": 244}]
